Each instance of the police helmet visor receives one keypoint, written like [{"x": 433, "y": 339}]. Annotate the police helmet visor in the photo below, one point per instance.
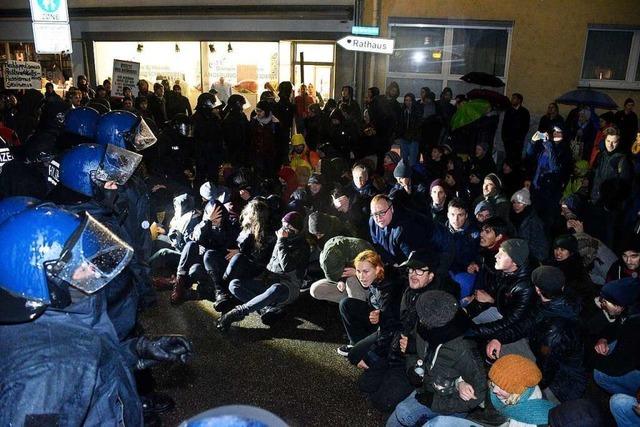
[
  {"x": 118, "y": 164},
  {"x": 91, "y": 257},
  {"x": 144, "y": 137}
]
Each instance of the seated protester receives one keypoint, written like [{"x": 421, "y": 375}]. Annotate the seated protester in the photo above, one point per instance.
[
  {"x": 318, "y": 194},
  {"x": 394, "y": 233},
  {"x": 515, "y": 392},
  {"x": 528, "y": 226},
  {"x": 289, "y": 180},
  {"x": 493, "y": 232},
  {"x": 351, "y": 209},
  {"x": 438, "y": 205},
  {"x": 361, "y": 182},
  {"x": 184, "y": 220},
  {"x": 554, "y": 337},
  {"x": 454, "y": 376},
  {"x": 436, "y": 164},
  {"x": 465, "y": 238},
  {"x": 405, "y": 193},
  {"x": 483, "y": 211},
  {"x": 336, "y": 261},
  {"x": 391, "y": 160},
  {"x": 254, "y": 243},
  {"x": 211, "y": 239},
  {"x": 578, "y": 181},
  {"x": 511, "y": 294},
  {"x": 616, "y": 362},
  {"x": 325, "y": 227},
  {"x": 629, "y": 263},
  {"x": 371, "y": 324},
  {"x": 213, "y": 191},
  {"x": 280, "y": 285},
  {"x": 492, "y": 193},
  {"x": 567, "y": 258}
]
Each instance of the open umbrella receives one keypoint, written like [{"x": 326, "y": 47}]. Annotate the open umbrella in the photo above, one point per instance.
[
  {"x": 482, "y": 79},
  {"x": 496, "y": 99},
  {"x": 589, "y": 97},
  {"x": 469, "y": 112}
]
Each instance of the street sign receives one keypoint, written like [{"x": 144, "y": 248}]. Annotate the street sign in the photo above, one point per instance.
[
  {"x": 49, "y": 11},
  {"x": 52, "y": 37},
  {"x": 367, "y": 44},
  {"x": 365, "y": 31}
]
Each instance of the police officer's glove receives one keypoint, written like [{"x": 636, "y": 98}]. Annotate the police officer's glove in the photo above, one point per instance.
[{"x": 166, "y": 348}]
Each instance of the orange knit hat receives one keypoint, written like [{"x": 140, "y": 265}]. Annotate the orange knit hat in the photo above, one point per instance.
[{"x": 514, "y": 373}]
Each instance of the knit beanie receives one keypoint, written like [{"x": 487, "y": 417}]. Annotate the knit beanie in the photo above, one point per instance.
[
  {"x": 484, "y": 205},
  {"x": 514, "y": 373},
  {"x": 402, "y": 170},
  {"x": 517, "y": 249},
  {"x": 522, "y": 196},
  {"x": 318, "y": 223},
  {"x": 622, "y": 292},
  {"x": 438, "y": 183},
  {"x": 393, "y": 156},
  {"x": 549, "y": 279},
  {"x": 495, "y": 179},
  {"x": 568, "y": 242},
  {"x": 294, "y": 219},
  {"x": 631, "y": 243},
  {"x": 436, "y": 308}
]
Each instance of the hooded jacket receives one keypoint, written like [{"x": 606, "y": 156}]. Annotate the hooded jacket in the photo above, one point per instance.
[
  {"x": 611, "y": 169},
  {"x": 338, "y": 253},
  {"x": 288, "y": 264}
]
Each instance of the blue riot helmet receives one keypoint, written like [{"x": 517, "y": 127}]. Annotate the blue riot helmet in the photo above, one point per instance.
[
  {"x": 46, "y": 249},
  {"x": 10, "y": 206},
  {"x": 82, "y": 121},
  {"x": 86, "y": 167},
  {"x": 126, "y": 130}
]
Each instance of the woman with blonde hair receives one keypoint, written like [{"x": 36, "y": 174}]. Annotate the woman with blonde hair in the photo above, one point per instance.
[{"x": 371, "y": 324}]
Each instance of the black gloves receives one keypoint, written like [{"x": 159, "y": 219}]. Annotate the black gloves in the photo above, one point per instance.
[{"x": 166, "y": 348}]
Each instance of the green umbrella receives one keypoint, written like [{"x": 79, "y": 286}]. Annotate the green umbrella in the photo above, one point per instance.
[{"x": 469, "y": 112}]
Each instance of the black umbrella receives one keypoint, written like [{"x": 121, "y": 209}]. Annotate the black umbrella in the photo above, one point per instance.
[
  {"x": 496, "y": 99},
  {"x": 589, "y": 97},
  {"x": 482, "y": 79}
]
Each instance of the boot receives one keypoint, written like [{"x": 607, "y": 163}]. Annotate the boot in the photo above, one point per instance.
[
  {"x": 223, "y": 300},
  {"x": 226, "y": 320},
  {"x": 181, "y": 290}
]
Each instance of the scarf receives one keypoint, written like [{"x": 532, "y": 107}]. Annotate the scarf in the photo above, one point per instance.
[{"x": 534, "y": 411}]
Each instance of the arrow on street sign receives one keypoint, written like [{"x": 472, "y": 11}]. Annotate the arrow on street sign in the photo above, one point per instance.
[{"x": 367, "y": 44}]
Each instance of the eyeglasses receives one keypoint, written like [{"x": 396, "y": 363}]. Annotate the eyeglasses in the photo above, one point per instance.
[
  {"x": 381, "y": 213},
  {"x": 418, "y": 271}
]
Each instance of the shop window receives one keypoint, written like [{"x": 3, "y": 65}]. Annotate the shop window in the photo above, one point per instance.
[
  {"x": 318, "y": 67},
  {"x": 437, "y": 56},
  {"x": 315, "y": 52},
  {"x": 611, "y": 58}
]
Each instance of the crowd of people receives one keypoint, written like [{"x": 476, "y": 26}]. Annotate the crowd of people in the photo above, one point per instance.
[{"x": 476, "y": 285}]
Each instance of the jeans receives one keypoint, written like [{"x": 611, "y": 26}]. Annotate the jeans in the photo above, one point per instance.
[
  {"x": 409, "y": 151},
  {"x": 355, "y": 318},
  {"x": 625, "y": 384},
  {"x": 450, "y": 421},
  {"x": 621, "y": 406},
  {"x": 410, "y": 412},
  {"x": 242, "y": 267},
  {"x": 255, "y": 296}
]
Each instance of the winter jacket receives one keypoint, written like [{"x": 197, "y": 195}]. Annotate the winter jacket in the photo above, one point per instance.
[
  {"x": 624, "y": 357},
  {"x": 553, "y": 162},
  {"x": 385, "y": 296},
  {"x": 235, "y": 127},
  {"x": 68, "y": 368},
  {"x": 453, "y": 360},
  {"x": 577, "y": 278},
  {"x": 513, "y": 295},
  {"x": 338, "y": 253},
  {"x": 467, "y": 244},
  {"x": 258, "y": 255},
  {"x": 288, "y": 264},
  {"x": 529, "y": 227},
  {"x": 515, "y": 125},
  {"x": 410, "y": 123},
  {"x": 215, "y": 237},
  {"x": 619, "y": 270},
  {"x": 556, "y": 342},
  {"x": 613, "y": 171}
]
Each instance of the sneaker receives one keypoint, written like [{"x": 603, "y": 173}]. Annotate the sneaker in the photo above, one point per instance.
[
  {"x": 271, "y": 315},
  {"x": 344, "y": 350},
  {"x": 227, "y": 319}
]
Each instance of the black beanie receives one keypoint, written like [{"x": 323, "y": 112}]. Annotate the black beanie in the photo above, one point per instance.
[
  {"x": 550, "y": 280},
  {"x": 436, "y": 308},
  {"x": 318, "y": 223}
]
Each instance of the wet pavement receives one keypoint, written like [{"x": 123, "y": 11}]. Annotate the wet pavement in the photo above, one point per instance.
[{"x": 291, "y": 368}]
